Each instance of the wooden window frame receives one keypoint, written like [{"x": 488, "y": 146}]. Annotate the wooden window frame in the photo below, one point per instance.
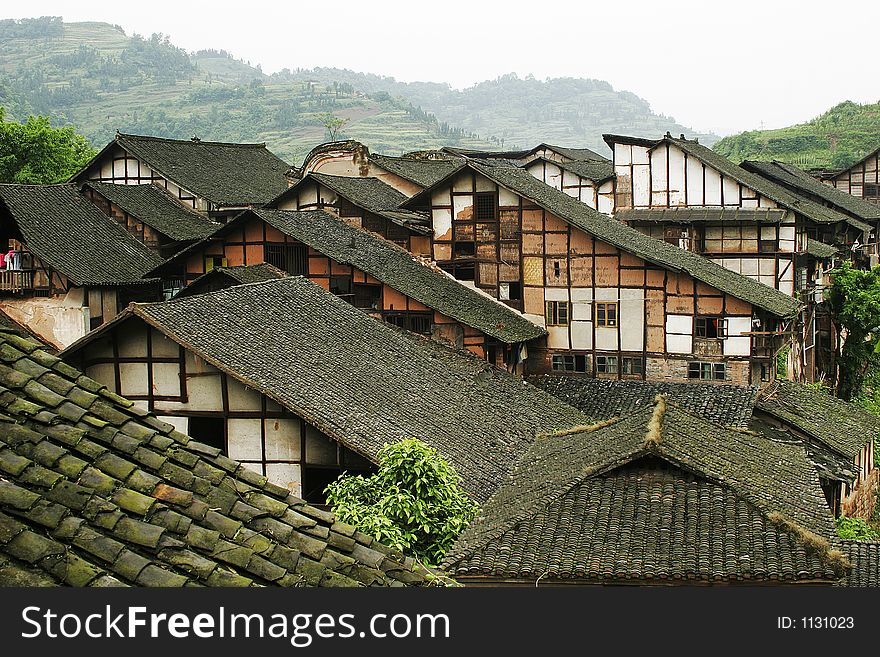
[
  {"x": 570, "y": 363},
  {"x": 493, "y": 197},
  {"x": 632, "y": 360},
  {"x": 605, "y": 321},
  {"x": 552, "y": 315},
  {"x": 705, "y": 325},
  {"x": 606, "y": 364},
  {"x": 707, "y": 371}
]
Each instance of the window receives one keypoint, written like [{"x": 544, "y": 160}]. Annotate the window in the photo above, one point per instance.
[
  {"x": 606, "y": 314},
  {"x": 366, "y": 296},
  {"x": 707, "y": 371},
  {"x": 768, "y": 246},
  {"x": 340, "y": 286},
  {"x": 292, "y": 258},
  {"x": 802, "y": 279},
  {"x": 417, "y": 323},
  {"x": 872, "y": 191},
  {"x": 569, "y": 363},
  {"x": 710, "y": 327},
  {"x": 557, "y": 313},
  {"x": 214, "y": 261},
  {"x": 465, "y": 249},
  {"x": 511, "y": 291},
  {"x": 484, "y": 206},
  {"x": 171, "y": 287},
  {"x": 606, "y": 364},
  {"x": 208, "y": 430},
  {"x": 633, "y": 365}
]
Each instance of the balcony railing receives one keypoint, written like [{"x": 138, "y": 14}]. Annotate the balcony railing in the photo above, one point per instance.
[{"x": 16, "y": 280}]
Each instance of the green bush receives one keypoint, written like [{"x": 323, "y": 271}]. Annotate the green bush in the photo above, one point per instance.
[
  {"x": 856, "y": 529},
  {"x": 414, "y": 502}
]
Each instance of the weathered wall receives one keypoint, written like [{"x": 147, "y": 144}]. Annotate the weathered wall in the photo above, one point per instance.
[{"x": 61, "y": 320}]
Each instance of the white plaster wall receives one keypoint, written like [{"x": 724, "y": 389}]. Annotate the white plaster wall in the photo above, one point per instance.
[
  {"x": 243, "y": 439},
  {"x": 557, "y": 337},
  {"x": 133, "y": 379},
  {"x": 679, "y": 334},
  {"x": 632, "y": 319},
  {"x": 736, "y": 344},
  {"x": 283, "y": 439}
]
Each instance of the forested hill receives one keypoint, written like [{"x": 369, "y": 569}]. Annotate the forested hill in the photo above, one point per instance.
[
  {"x": 95, "y": 76},
  {"x": 836, "y": 139}
]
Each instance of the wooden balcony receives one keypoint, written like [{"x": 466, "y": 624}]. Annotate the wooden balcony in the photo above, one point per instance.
[{"x": 16, "y": 280}]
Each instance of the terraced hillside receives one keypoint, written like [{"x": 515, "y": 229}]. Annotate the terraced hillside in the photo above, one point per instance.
[{"x": 95, "y": 76}]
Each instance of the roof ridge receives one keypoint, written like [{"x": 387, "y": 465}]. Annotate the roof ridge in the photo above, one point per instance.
[{"x": 196, "y": 141}]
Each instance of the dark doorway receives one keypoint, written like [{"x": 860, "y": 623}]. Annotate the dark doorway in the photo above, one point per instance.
[{"x": 208, "y": 430}]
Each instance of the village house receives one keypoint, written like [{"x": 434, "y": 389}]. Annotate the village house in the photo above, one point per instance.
[
  {"x": 802, "y": 183},
  {"x": 365, "y": 202},
  {"x": 95, "y": 491},
  {"x": 68, "y": 267},
  {"x": 861, "y": 180},
  {"x": 616, "y": 303},
  {"x": 527, "y": 156},
  {"x": 300, "y": 385},
  {"x": 366, "y": 270},
  {"x": 215, "y": 179},
  {"x": 656, "y": 497},
  {"x": 409, "y": 174},
  {"x": 678, "y": 190},
  {"x": 219, "y": 278},
  {"x": 151, "y": 215},
  {"x": 838, "y": 437}
]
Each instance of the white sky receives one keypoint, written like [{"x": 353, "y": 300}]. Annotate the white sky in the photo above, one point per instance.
[{"x": 712, "y": 65}]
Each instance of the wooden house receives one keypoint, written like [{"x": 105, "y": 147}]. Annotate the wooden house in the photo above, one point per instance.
[
  {"x": 589, "y": 181},
  {"x": 616, "y": 303},
  {"x": 366, "y": 270},
  {"x": 151, "y": 215},
  {"x": 219, "y": 278},
  {"x": 838, "y": 437},
  {"x": 68, "y": 267},
  {"x": 365, "y": 202},
  {"x": 802, "y": 183},
  {"x": 300, "y": 385},
  {"x": 215, "y": 179},
  {"x": 861, "y": 180},
  {"x": 678, "y": 190},
  {"x": 659, "y": 496},
  {"x": 408, "y": 174},
  {"x": 523, "y": 157},
  {"x": 97, "y": 492}
]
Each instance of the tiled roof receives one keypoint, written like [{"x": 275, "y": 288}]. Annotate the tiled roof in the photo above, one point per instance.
[
  {"x": 839, "y": 424},
  {"x": 601, "y": 399},
  {"x": 820, "y": 249},
  {"x": 225, "y": 174},
  {"x": 574, "y": 154},
  {"x": 416, "y": 278},
  {"x": 790, "y": 176},
  {"x": 221, "y": 277},
  {"x": 71, "y": 235},
  {"x": 596, "y": 170},
  {"x": 360, "y": 381},
  {"x": 865, "y": 558},
  {"x": 371, "y": 194},
  {"x": 630, "y": 240},
  {"x": 96, "y": 492},
  {"x": 157, "y": 209},
  {"x": 657, "y": 495},
  {"x": 422, "y": 172},
  {"x": 702, "y": 214}
]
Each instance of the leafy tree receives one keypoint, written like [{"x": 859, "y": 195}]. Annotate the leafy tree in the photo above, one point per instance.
[
  {"x": 35, "y": 152},
  {"x": 333, "y": 124},
  {"x": 413, "y": 503},
  {"x": 855, "y": 306}
]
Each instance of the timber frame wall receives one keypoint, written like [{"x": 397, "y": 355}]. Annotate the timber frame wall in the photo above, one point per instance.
[
  {"x": 148, "y": 236},
  {"x": 249, "y": 243},
  {"x": 557, "y": 263},
  {"x": 140, "y": 363},
  {"x": 861, "y": 179},
  {"x": 598, "y": 196}
]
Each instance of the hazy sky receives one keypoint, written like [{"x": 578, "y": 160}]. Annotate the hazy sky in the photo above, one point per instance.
[{"x": 720, "y": 66}]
